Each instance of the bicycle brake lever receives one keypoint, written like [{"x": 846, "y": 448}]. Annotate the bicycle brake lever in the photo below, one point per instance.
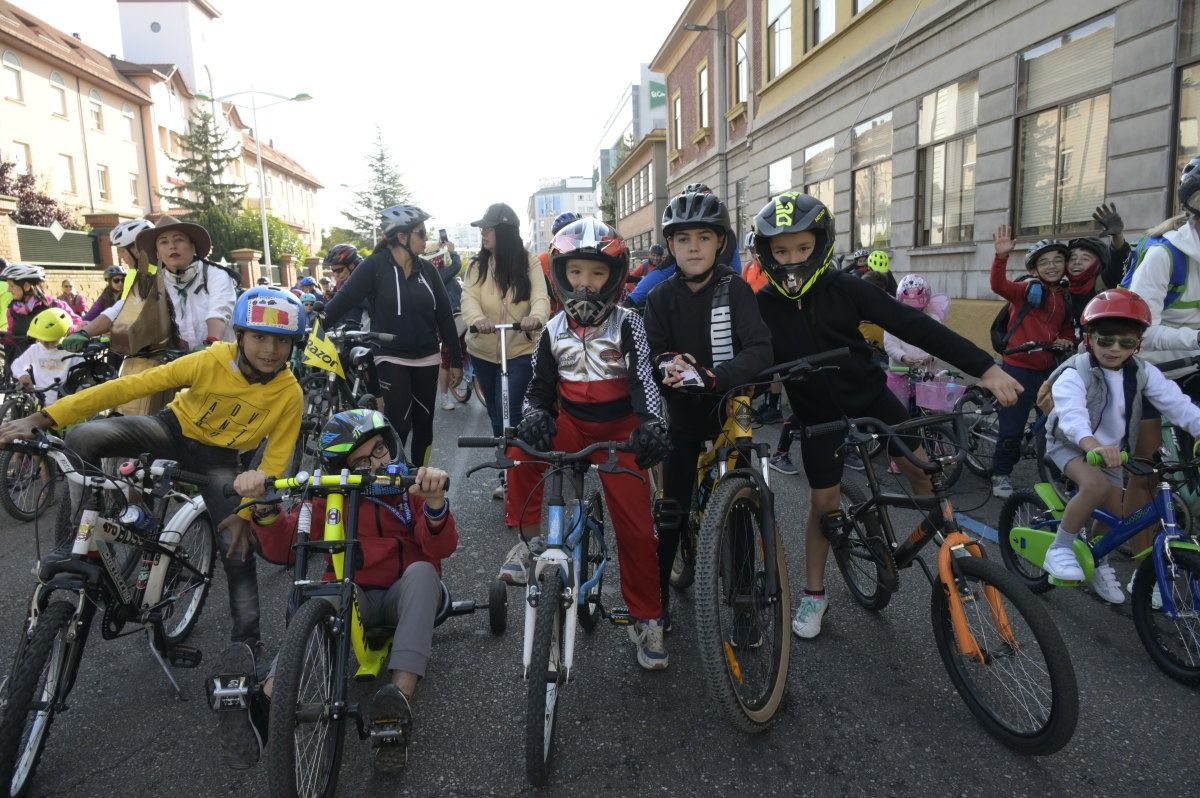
[{"x": 616, "y": 469}]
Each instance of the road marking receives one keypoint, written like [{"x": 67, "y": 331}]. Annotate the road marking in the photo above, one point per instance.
[{"x": 979, "y": 528}]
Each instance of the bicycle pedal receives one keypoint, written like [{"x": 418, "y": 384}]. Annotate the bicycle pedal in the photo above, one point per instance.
[
  {"x": 185, "y": 657},
  {"x": 619, "y": 617},
  {"x": 1054, "y": 580},
  {"x": 229, "y": 692}
]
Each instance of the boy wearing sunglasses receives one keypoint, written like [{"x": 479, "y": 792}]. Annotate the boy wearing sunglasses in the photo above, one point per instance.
[{"x": 1100, "y": 398}]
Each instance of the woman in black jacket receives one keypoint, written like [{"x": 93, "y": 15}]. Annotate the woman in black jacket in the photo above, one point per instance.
[{"x": 407, "y": 300}]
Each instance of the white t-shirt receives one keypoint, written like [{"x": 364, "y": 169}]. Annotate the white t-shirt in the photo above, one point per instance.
[
  {"x": 192, "y": 306},
  {"x": 44, "y": 365}
]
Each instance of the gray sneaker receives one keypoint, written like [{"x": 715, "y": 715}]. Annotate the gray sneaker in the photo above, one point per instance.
[
  {"x": 516, "y": 565},
  {"x": 390, "y": 720},
  {"x": 234, "y": 676},
  {"x": 810, "y": 613},
  {"x": 1001, "y": 486},
  {"x": 648, "y": 637},
  {"x": 782, "y": 463}
]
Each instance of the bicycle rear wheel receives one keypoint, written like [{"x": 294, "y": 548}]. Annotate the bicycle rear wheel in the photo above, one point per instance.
[
  {"x": 1174, "y": 645},
  {"x": 304, "y": 743},
  {"x": 31, "y": 698},
  {"x": 544, "y": 679},
  {"x": 1021, "y": 686},
  {"x": 466, "y": 386},
  {"x": 1024, "y": 508},
  {"x": 981, "y": 434},
  {"x": 741, "y": 618},
  {"x": 26, "y": 484},
  {"x": 862, "y": 553},
  {"x": 187, "y": 590},
  {"x": 940, "y": 441}
]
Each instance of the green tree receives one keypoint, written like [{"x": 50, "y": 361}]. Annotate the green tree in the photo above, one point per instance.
[
  {"x": 343, "y": 235},
  {"x": 232, "y": 230},
  {"x": 383, "y": 189},
  {"x": 203, "y": 167}
]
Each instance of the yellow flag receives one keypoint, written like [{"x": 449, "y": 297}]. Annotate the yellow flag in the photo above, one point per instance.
[{"x": 321, "y": 352}]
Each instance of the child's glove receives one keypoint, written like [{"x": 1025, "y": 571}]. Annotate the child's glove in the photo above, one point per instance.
[
  {"x": 650, "y": 443},
  {"x": 538, "y": 429},
  {"x": 75, "y": 342},
  {"x": 1107, "y": 217}
]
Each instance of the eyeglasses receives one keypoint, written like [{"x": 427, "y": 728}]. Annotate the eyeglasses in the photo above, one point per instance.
[
  {"x": 1057, "y": 260},
  {"x": 362, "y": 463},
  {"x": 1124, "y": 341}
]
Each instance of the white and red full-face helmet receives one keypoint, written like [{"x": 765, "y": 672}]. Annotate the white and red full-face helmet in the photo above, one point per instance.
[{"x": 588, "y": 239}]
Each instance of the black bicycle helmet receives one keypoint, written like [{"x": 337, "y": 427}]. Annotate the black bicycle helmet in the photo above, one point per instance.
[
  {"x": 695, "y": 209},
  {"x": 114, "y": 271},
  {"x": 342, "y": 255},
  {"x": 793, "y": 212},
  {"x": 1091, "y": 244},
  {"x": 345, "y": 431},
  {"x": 588, "y": 239},
  {"x": 1189, "y": 182}
]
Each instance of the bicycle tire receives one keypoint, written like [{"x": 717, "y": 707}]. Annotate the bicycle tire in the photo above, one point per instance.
[
  {"x": 186, "y": 590},
  {"x": 1051, "y": 705},
  {"x": 740, "y": 643},
  {"x": 940, "y": 441},
  {"x": 479, "y": 392},
  {"x": 544, "y": 682},
  {"x": 309, "y": 647},
  {"x": 304, "y": 455},
  {"x": 465, "y": 387},
  {"x": 980, "y": 434},
  {"x": 17, "y": 407},
  {"x": 588, "y": 610},
  {"x": 26, "y": 484},
  {"x": 38, "y": 671},
  {"x": 1174, "y": 645},
  {"x": 1022, "y": 508},
  {"x": 864, "y": 559}
]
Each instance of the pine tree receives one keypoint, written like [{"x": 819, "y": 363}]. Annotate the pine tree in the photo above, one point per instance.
[
  {"x": 383, "y": 189},
  {"x": 203, "y": 168}
]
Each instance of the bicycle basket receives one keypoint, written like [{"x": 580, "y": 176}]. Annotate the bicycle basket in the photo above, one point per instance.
[
  {"x": 897, "y": 383},
  {"x": 939, "y": 395}
]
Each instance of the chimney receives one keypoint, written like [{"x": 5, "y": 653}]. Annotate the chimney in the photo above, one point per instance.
[{"x": 77, "y": 36}]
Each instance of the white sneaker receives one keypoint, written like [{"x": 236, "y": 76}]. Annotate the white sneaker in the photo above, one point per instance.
[
  {"x": 1105, "y": 585},
  {"x": 810, "y": 613},
  {"x": 448, "y": 403},
  {"x": 516, "y": 564},
  {"x": 1061, "y": 564},
  {"x": 1155, "y": 596},
  {"x": 651, "y": 651},
  {"x": 1002, "y": 488}
]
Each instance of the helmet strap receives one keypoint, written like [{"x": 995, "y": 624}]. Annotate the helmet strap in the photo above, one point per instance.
[{"x": 253, "y": 375}]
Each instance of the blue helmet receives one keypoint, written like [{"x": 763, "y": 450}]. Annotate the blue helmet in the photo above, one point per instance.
[
  {"x": 306, "y": 298},
  {"x": 307, "y": 281},
  {"x": 270, "y": 310},
  {"x": 562, "y": 220}
]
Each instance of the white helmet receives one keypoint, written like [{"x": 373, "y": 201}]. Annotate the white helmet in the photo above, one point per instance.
[
  {"x": 19, "y": 272},
  {"x": 401, "y": 218},
  {"x": 124, "y": 234}
]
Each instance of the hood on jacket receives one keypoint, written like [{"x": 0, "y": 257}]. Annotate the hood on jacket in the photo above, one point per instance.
[{"x": 1186, "y": 239}]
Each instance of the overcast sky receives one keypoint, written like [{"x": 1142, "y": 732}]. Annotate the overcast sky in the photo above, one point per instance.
[{"x": 477, "y": 99}]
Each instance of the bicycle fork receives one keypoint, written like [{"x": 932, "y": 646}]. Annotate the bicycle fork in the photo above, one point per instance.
[{"x": 955, "y": 545}]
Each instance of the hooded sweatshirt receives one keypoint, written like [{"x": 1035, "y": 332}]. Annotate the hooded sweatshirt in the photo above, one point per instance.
[{"x": 1175, "y": 331}]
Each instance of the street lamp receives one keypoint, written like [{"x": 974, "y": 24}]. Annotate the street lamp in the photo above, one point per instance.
[{"x": 262, "y": 179}]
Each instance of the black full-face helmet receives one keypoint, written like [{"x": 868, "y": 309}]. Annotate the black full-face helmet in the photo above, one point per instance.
[
  {"x": 793, "y": 212},
  {"x": 345, "y": 431}
]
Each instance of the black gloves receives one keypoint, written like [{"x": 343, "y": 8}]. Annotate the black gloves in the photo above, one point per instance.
[
  {"x": 1107, "y": 217},
  {"x": 538, "y": 428},
  {"x": 650, "y": 443}
]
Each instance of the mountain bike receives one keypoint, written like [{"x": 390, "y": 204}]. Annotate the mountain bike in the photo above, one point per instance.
[
  {"x": 998, "y": 643},
  {"x": 1170, "y": 567},
  {"x": 162, "y": 597},
  {"x": 310, "y": 703}
]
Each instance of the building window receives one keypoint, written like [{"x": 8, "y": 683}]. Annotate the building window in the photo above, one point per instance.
[
  {"x": 862, "y": 5},
  {"x": 677, "y": 122},
  {"x": 58, "y": 95},
  {"x": 130, "y": 122},
  {"x": 779, "y": 176},
  {"x": 102, "y": 187},
  {"x": 1189, "y": 31},
  {"x": 1189, "y": 117},
  {"x": 65, "y": 175},
  {"x": 779, "y": 37},
  {"x": 702, "y": 97},
  {"x": 1063, "y": 144},
  {"x": 96, "y": 110},
  {"x": 12, "y": 77},
  {"x": 820, "y": 21},
  {"x": 741, "y": 68},
  {"x": 818, "y": 172},
  {"x": 20, "y": 158},
  {"x": 946, "y": 162},
  {"x": 871, "y": 183},
  {"x": 133, "y": 188}
]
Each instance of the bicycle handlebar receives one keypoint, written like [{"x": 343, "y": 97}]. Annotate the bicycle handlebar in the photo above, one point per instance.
[
  {"x": 1184, "y": 362},
  {"x": 1094, "y": 458},
  {"x": 795, "y": 367},
  {"x": 508, "y": 325},
  {"x": 894, "y": 433},
  {"x": 46, "y": 443},
  {"x": 325, "y": 483},
  {"x": 350, "y": 335},
  {"x": 558, "y": 457}
]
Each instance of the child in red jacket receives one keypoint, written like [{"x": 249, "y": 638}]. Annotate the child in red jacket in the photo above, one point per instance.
[
  {"x": 1043, "y": 305},
  {"x": 403, "y": 538}
]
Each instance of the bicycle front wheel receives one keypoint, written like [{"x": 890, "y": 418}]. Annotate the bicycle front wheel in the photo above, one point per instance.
[
  {"x": 26, "y": 484},
  {"x": 544, "y": 679},
  {"x": 1173, "y": 644},
  {"x": 184, "y": 589},
  {"x": 304, "y": 743},
  {"x": 1020, "y": 684},
  {"x": 742, "y": 606},
  {"x": 1025, "y": 509},
  {"x": 32, "y": 697}
]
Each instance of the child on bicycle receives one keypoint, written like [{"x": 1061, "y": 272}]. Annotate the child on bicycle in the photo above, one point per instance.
[
  {"x": 402, "y": 538},
  {"x": 915, "y": 291},
  {"x": 593, "y": 365},
  {"x": 705, "y": 333},
  {"x": 43, "y": 364},
  {"x": 810, "y": 308},
  {"x": 1100, "y": 397},
  {"x": 1038, "y": 311},
  {"x": 238, "y": 395}
]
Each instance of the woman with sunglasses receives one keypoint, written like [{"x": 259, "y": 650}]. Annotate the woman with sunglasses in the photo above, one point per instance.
[
  {"x": 114, "y": 289},
  {"x": 406, "y": 299}
]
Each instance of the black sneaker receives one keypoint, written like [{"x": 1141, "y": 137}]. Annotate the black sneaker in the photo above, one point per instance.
[
  {"x": 232, "y": 693},
  {"x": 389, "y": 718},
  {"x": 770, "y": 415}
]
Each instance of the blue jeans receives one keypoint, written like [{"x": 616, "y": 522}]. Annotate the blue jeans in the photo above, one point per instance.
[
  {"x": 160, "y": 437},
  {"x": 520, "y": 372},
  {"x": 1011, "y": 420}
]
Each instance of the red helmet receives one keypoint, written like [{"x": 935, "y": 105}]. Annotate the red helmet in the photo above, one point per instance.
[
  {"x": 588, "y": 239},
  {"x": 1116, "y": 303}
]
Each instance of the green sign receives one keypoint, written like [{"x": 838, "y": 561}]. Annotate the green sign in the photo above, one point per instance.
[{"x": 658, "y": 94}]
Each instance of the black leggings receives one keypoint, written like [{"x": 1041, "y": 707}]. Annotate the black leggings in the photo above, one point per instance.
[
  {"x": 679, "y": 480},
  {"x": 408, "y": 397}
]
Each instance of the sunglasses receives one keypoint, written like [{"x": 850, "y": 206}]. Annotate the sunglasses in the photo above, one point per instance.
[
  {"x": 1124, "y": 341},
  {"x": 362, "y": 463},
  {"x": 338, "y": 271},
  {"x": 116, "y": 279}
]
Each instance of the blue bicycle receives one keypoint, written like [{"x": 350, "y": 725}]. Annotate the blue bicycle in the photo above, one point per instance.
[
  {"x": 567, "y": 572},
  {"x": 1166, "y": 587}
]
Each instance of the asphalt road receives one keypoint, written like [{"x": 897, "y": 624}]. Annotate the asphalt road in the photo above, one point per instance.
[{"x": 869, "y": 709}]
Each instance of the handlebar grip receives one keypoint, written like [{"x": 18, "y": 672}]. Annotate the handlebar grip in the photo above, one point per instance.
[
  {"x": 228, "y": 492},
  {"x": 384, "y": 338},
  {"x": 1094, "y": 458},
  {"x": 824, "y": 357},
  {"x": 477, "y": 443},
  {"x": 1182, "y": 362},
  {"x": 826, "y": 428},
  {"x": 190, "y": 477},
  {"x": 473, "y": 329}
]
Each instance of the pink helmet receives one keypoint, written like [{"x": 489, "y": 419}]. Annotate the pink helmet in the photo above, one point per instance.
[{"x": 914, "y": 291}]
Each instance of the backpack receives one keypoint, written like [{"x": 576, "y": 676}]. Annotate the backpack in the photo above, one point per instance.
[
  {"x": 1179, "y": 266},
  {"x": 1000, "y": 330}
]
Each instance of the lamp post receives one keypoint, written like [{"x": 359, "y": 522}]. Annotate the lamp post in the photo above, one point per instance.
[
  {"x": 723, "y": 34},
  {"x": 262, "y": 178}
]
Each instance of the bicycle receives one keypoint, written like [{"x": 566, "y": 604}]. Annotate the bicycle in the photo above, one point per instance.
[
  {"x": 469, "y": 384},
  {"x": 925, "y": 393},
  {"x": 566, "y": 573},
  {"x": 1171, "y": 632},
  {"x": 999, "y": 645},
  {"x": 310, "y": 702},
  {"x": 163, "y": 597}
]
